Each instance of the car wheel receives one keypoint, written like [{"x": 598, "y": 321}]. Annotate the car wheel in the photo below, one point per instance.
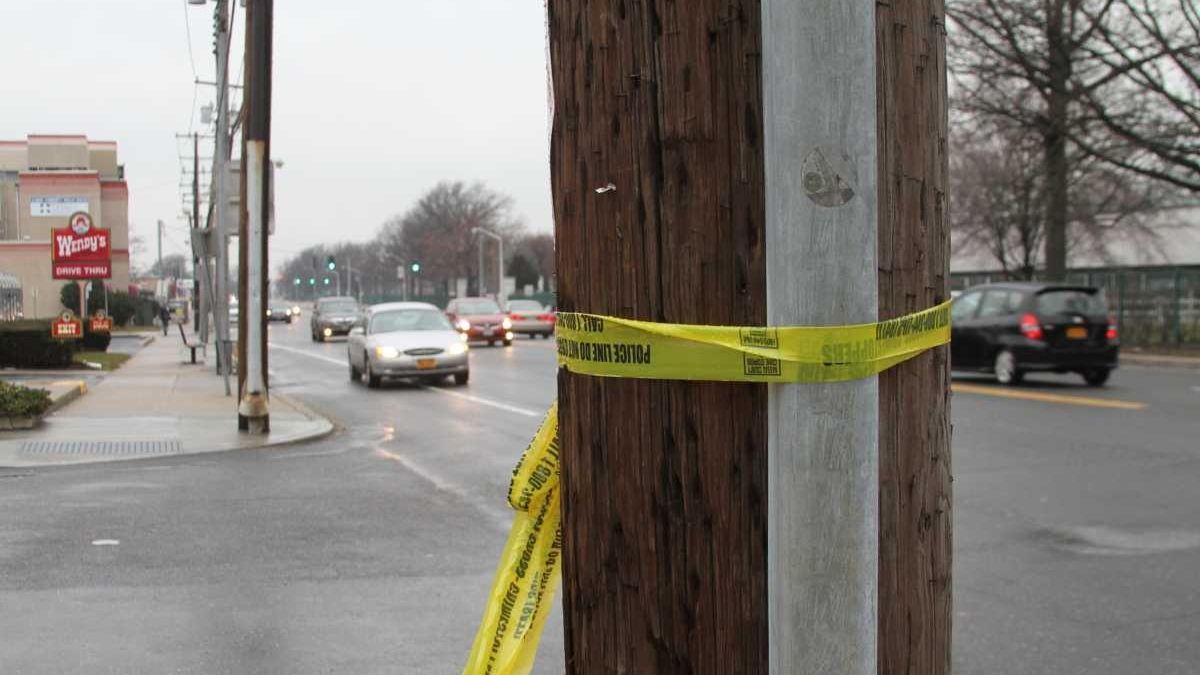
[
  {"x": 373, "y": 380},
  {"x": 1096, "y": 377},
  {"x": 1006, "y": 369},
  {"x": 461, "y": 378},
  {"x": 355, "y": 373},
  {"x": 508, "y": 343}
]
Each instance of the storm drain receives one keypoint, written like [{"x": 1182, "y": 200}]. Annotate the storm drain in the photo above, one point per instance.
[{"x": 104, "y": 448}]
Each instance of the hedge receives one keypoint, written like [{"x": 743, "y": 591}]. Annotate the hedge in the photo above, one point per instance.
[
  {"x": 95, "y": 342},
  {"x": 27, "y": 344},
  {"x": 18, "y": 401}
]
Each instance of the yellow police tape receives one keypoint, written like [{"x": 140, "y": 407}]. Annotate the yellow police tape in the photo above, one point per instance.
[
  {"x": 529, "y": 570},
  {"x": 528, "y": 573},
  {"x": 611, "y": 347}
]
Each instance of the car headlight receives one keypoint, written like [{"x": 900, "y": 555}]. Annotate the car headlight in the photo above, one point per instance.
[
  {"x": 506, "y": 323},
  {"x": 386, "y": 352},
  {"x": 464, "y": 325},
  {"x": 457, "y": 348}
]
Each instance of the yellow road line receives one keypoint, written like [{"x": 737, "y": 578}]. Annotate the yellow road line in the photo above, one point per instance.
[{"x": 1048, "y": 398}]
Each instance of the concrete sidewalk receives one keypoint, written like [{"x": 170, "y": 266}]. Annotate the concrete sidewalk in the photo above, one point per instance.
[{"x": 156, "y": 405}]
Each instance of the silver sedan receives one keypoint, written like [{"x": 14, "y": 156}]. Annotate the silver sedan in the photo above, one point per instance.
[{"x": 406, "y": 339}]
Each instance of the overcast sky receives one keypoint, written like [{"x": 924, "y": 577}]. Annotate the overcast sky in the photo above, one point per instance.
[{"x": 374, "y": 102}]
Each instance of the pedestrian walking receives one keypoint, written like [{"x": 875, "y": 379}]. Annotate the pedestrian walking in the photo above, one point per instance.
[{"x": 164, "y": 315}]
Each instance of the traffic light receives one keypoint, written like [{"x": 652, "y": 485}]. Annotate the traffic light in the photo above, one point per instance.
[
  {"x": 415, "y": 267},
  {"x": 330, "y": 263},
  {"x": 297, "y": 282},
  {"x": 326, "y": 281},
  {"x": 312, "y": 281}
]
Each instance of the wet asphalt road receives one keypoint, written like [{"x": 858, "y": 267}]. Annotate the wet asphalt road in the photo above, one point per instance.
[{"x": 1077, "y": 532}]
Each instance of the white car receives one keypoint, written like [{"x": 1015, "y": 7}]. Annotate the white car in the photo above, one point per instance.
[
  {"x": 406, "y": 339},
  {"x": 530, "y": 318}
]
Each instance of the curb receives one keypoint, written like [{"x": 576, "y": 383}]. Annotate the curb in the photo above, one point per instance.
[
  {"x": 71, "y": 394},
  {"x": 311, "y": 414},
  {"x": 1161, "y": 361}
]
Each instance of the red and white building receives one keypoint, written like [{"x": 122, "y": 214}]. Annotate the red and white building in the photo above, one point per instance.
[{"x": 43, "y": 180}]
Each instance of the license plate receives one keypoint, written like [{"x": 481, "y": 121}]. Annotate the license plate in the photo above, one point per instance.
[
  {"x": 426, "y": 364},
  {"x": 1077, "y": 333},
  {"x": 489, "y": 332}
]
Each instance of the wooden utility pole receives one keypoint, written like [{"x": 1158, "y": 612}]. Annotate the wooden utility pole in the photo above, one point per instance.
[
  {"x": 742, "y": 167},
  {"x": 913, "y": 255},
  {"x": 253, "y": 413},
  {"x": 664, "y": 483}
]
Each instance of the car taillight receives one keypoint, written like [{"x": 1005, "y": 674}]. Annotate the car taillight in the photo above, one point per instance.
[
  {"x": 545, "y": 317},
  {"x": 1031, "y": 328},
  {"x": 1111, "y": 333}
]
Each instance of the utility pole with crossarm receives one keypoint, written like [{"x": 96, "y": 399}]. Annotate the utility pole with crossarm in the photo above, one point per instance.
[{"x": 748, "y": 163}]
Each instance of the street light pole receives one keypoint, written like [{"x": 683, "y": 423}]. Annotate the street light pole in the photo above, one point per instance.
[
  {"x": 499, "y": 263},
  {"x": 221, "y": 195}
]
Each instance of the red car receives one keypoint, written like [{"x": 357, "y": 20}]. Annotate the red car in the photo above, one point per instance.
[{"x": 480, "y": 319}]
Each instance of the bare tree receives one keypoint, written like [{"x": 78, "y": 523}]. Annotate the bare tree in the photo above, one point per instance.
[
  {"x": 437, "y": 230},
  {"x": 1108, "y": 80},
  {"x": 997, "y": 193}
]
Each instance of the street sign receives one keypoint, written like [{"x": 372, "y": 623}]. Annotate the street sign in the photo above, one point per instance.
[
  {"x": 100, "y": 322},
  {"x": 66, "y": 327},
  {"x": 81, "y": 251}
]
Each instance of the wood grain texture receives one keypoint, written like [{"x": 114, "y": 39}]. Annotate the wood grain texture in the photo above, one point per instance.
[
  {"x": 664, "y": 483},
  {"x": 914, "y": 398}
]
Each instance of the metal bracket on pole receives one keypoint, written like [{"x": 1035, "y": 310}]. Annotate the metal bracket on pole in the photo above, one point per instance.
[{"x": 822, "y": 457}]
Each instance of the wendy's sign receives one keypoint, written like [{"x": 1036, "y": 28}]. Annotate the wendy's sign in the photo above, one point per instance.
[{"x": 80, "y": 251}]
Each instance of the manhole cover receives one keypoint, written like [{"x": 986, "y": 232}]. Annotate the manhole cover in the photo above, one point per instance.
[{"x": 104, "y": 448}]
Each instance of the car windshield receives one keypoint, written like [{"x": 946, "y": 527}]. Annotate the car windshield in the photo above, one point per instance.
[
  {"x": 409, "y": 319},
  {"x": 339, "y": 307},
  {"x": 1071, "y": 301},
  {"x": 478, "y": 307},
  {"x": 524, "y": 306}
]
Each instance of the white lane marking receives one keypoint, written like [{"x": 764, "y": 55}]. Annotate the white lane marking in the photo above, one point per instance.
[
  {"x": 474, "y": 399},
  {"x": 483, "y": 401},
  {"x": 309, "y": 354},
  {"x": 500, "y": 518},
  {"x": 105, "y": 542}
]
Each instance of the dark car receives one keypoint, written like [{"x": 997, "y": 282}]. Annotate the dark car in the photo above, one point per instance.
[
  {"x": 1010, "y": 329},
  {"x": 480, "y": 319},
  {"x": 334, "y": 316},
  {"x": 279, "y": 311}
]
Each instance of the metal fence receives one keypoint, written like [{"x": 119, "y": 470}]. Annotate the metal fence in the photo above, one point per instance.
[
  {"x": 1154, "y": 306},
  {"x": 10, "y": 297}
]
